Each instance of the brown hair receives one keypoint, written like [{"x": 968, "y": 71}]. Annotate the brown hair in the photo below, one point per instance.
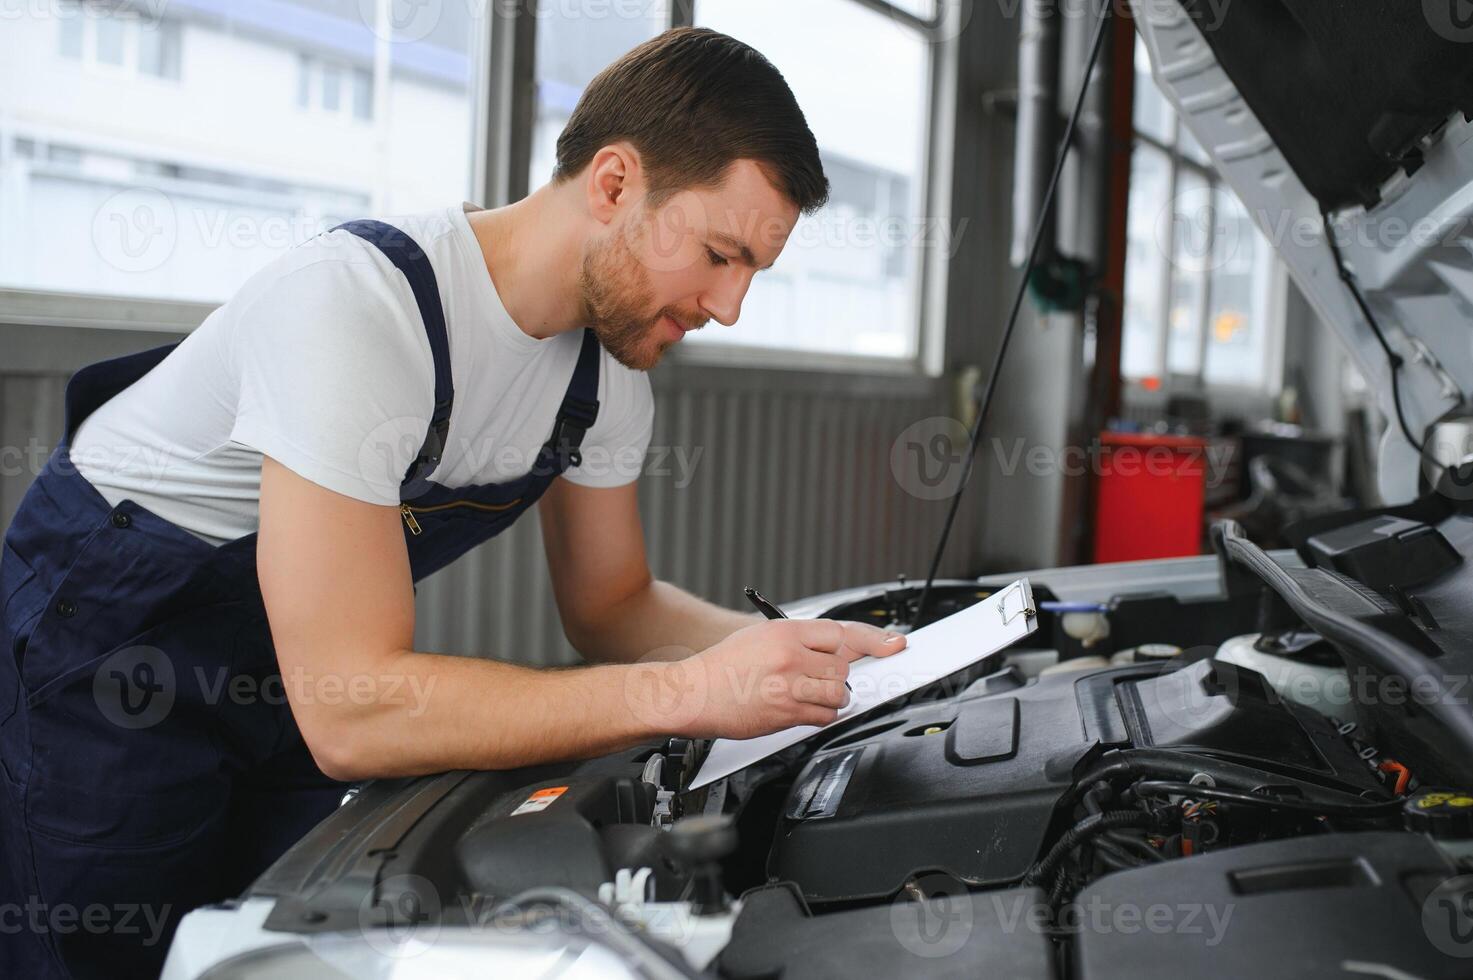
[{"x": 693, "y": 102}]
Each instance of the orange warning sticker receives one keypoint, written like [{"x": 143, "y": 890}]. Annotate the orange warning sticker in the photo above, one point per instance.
[{"x": 540, "y": 800}]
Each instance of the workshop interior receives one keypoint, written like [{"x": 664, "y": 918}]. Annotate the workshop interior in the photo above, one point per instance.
[{"x": 1135, "y": 334}]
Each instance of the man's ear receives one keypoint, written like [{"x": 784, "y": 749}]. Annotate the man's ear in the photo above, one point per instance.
[{"x": 614, "y": 179}]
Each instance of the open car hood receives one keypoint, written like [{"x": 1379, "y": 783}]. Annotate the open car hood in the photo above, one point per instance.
[{"x": 1359, "y": 109}]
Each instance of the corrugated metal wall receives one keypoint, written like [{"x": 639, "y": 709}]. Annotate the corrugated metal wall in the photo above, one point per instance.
[
  {"x": 756, "y": 477},
  {"x": 791, "y": 493}
]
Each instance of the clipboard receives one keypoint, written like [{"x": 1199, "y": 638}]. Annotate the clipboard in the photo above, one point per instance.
[{"x": 932, "y": 652}]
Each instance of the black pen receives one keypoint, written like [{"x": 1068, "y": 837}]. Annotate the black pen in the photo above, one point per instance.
[{"x": 773, "y": 612}]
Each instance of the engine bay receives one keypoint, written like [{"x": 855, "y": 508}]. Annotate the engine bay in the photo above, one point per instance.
[{"x": 1157, "y": 782}]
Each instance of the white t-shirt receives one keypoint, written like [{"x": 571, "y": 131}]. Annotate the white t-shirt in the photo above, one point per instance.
[{"x": 321, "y": 361}]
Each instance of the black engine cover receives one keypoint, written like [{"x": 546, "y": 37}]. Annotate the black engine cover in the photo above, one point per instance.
[{"x": 969, "y": 786}]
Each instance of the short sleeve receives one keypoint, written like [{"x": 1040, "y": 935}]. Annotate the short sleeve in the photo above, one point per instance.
[
  {"x": 614, "y": 449},
  {"x": 336, "y": 378}
]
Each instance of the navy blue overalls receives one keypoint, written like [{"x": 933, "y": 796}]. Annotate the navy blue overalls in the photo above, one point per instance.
[{"x": 150, "y": 762}]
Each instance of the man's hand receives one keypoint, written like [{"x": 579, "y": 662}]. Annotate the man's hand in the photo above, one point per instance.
[{"x": 771, "y": 676}]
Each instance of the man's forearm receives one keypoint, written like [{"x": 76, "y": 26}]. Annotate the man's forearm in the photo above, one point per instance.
[
  {"x": 659, "y": 622},
  {"x": 419, "y": 713}
]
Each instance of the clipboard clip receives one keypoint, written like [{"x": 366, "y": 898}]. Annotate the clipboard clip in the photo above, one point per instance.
[{"x": 1024, "y": 609}]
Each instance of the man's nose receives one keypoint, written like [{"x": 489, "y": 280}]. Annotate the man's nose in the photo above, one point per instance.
[{"x": 723, "y": 301}]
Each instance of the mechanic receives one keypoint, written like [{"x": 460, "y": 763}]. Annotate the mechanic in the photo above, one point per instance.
[{"x": 247, "y": 512}]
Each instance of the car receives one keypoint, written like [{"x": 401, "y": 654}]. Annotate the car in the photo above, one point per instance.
[{"x": 1253, "y": 763}]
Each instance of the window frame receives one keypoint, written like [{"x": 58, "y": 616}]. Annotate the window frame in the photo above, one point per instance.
[
  {"x": 1179, "y": 161},
  {"x": 504, "y": 89},
  {"x": 132, "y": 27},
  {"x": 928, "y": 356},
  {"x": 312, "y": 73}
]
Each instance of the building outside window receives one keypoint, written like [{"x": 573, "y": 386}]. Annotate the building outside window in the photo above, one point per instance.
[{"x": 136, "y": 162}]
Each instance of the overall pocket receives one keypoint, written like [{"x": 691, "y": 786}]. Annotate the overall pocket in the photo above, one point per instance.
[
  {"x": 126, "y": 748},
  {"x": 21, "y": 601}
]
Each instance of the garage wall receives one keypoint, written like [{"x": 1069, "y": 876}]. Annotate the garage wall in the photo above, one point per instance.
[{"x": 778, "y": 479}]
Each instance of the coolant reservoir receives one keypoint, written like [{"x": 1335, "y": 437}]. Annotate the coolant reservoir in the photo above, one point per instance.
[{"x": 1325, "y": 689}]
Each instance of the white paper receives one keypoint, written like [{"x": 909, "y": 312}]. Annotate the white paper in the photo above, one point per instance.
[{"x": 931, "y": 653}]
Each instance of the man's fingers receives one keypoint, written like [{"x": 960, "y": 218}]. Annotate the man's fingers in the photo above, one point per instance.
[
  {"x": 825, "y": 693},
  {"x": 817, "y": 716},
  {"x": 823, "y": 635},
  {"x": 847, "y": 639},
  {"x": 864, "y": 640},
  {"x": 824, "y": 666}
]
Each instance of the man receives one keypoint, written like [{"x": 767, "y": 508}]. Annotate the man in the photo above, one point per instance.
[{"x": 247, "y": 511}]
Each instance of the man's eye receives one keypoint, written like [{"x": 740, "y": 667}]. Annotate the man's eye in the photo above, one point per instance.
[{"x": 715, "y": 257}]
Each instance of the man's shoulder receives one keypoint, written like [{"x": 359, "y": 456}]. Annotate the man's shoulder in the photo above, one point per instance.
[{"x": 627, "y": 390}]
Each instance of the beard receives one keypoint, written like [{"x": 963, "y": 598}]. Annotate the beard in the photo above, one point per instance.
[{"x": 617, "y": 295}]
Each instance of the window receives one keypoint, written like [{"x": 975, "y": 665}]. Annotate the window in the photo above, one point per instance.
[
  {"x": 96, "y": 35},
  {"x": 170, "y": 157},
  {"x": 849, "y": 280},
  {"x": 1198, "y": 271},
  {"x": 577, "y": 39},
  {"x": 334, "y": 89}
]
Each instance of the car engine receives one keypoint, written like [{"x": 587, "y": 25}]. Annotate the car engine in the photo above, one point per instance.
[{"x": 1155, "y": 784}]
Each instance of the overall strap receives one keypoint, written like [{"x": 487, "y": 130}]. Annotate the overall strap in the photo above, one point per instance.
[
  {"x": 406, "y": 255},
  {"x": 579, "y": 410}
]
